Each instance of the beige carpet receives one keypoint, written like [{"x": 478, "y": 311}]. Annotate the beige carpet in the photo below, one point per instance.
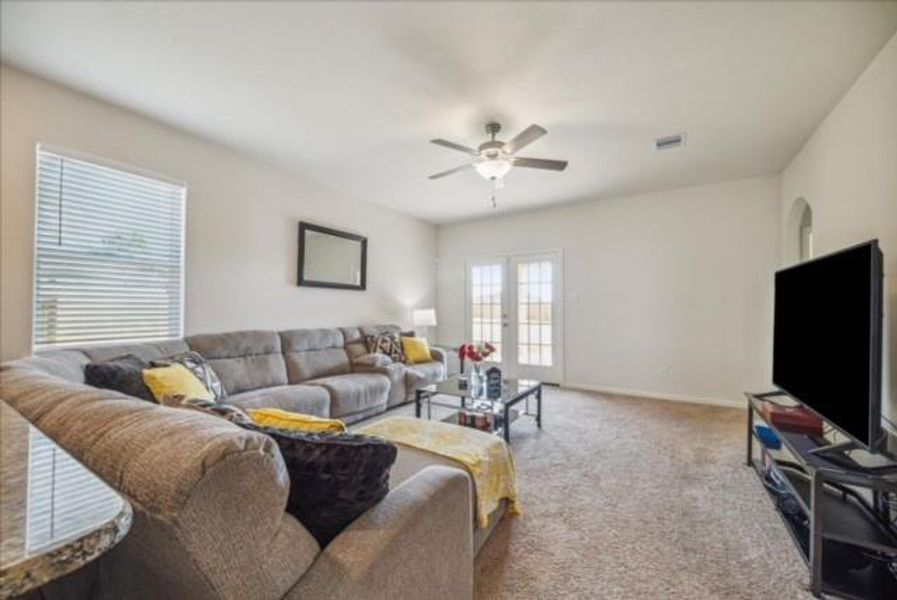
[{"x": 635, "y": 498}]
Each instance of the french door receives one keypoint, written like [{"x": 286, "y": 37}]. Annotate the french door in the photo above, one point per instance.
[{"x": 514, "y": 303}]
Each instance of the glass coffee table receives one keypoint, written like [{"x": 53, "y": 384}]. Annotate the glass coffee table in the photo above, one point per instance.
[{"x": 471, "y": 402}]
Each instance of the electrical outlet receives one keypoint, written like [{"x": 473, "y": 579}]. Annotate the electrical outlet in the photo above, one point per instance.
[{"x": 665, "y": 371}]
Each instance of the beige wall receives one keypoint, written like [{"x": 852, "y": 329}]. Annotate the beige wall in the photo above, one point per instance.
[
  {"x": 847, "y": 172},
  {"x": 667, "y": 293},
  {"x": 242, "y": 221}
]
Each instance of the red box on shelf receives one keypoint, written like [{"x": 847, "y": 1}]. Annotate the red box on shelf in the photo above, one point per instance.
[{"x": 793, "y": 419}]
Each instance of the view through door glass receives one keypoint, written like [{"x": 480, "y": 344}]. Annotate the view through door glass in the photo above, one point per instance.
[
  {"x": 486, "y": 283},
  {"x": 535, "y": 313}
]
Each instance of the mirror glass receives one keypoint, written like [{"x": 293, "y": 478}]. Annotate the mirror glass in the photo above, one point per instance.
[{"x": 331, "y": 258}]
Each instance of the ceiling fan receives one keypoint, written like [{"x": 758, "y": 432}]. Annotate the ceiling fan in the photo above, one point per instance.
[{"x": 493, "y": 159}]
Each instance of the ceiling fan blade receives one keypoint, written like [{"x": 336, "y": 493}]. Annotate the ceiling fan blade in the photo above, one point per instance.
[
  {"x": 541, "y": 163},
  {"x": 454, "y": 146},
  {"x": 524, "y": 138},
  {"x": 450, "y": 171}
]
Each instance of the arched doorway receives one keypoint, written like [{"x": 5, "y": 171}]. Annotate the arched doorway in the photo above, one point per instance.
[
  {"x": 806, "y": 233},
  {"x": 799, "y": 242}
]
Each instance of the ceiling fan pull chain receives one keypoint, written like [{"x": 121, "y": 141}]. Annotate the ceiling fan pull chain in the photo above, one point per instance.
[{"x": 497, "y": 184}]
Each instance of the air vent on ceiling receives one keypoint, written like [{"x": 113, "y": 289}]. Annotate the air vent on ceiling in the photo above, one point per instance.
[{"x": 668, "y": 142}]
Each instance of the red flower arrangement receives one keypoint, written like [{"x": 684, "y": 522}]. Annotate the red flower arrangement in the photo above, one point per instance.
[{"x": 475, "y": 353}]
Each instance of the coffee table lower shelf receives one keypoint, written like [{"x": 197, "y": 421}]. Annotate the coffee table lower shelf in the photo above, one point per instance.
[
  {"x": 472, "y": 399},
  {"x": 455, "y": 419}
]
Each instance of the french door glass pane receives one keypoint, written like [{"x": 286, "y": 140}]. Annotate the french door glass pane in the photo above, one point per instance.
[
  {"x": 486, "y": 310},
  {"x": 535, "y": 313}
]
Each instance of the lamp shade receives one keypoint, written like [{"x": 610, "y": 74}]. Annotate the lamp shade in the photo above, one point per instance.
[
  {"x": 494, "y": 168},
  {"x": 424, "y": 317}
]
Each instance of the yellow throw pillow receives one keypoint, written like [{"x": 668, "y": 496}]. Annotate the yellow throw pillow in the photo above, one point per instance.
[
  {"x": 416, "y": 350},
  {"x": 284, "y": 419},
  {"x": 173, "y": 380}
]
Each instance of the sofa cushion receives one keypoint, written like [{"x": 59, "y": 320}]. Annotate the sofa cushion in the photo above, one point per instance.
[
  {"x": 306, "y": 399},
  {"x": 355, "y": 392},
  {"x": 123, "y": 374},
  {"x": 300, "y": 340},
  {"x": 243, "y": 360},
  {"x": 423, "y": 374},
  {"x": 379, "y": 329},
  {"x": 395, "y": 372},
  {"x": 146, "y": 351},
  {"x": 334, "y": 478},
  {"x": 354, "y": 342},
  {"x": 66, "y": 364},
  {"x": 313, "y": 353}
]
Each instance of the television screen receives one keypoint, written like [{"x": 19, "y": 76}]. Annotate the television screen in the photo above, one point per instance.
[{"x": 827, "y": 338}]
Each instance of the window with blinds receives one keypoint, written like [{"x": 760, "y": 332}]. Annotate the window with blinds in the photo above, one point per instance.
[{"x": 109, "y": 255}]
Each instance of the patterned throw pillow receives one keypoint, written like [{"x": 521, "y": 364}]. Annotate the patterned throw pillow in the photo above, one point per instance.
[
  {"x": 386, "y": 343},
  {"x": 227, "y": 411},
  {"x": 371, "y": 342},
  {"x": 199, "y": 366}
]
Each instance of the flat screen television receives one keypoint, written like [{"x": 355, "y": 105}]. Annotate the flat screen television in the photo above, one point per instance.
[{"x": 827, "y": 339}]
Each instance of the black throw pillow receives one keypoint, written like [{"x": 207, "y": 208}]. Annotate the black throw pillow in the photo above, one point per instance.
[
  {"x": 334, "y": 477},
  {"x": 123, "y": 374}
]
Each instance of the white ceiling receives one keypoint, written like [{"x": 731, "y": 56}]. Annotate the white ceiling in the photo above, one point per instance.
[{"x": 350, "y": 94}]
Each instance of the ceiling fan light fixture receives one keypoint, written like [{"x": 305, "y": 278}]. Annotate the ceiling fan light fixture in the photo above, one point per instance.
[
  {"x": 493, "y": 169},
  {"x": 493, "y": 159}
]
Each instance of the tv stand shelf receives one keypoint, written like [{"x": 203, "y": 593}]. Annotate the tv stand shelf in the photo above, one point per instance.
[{"x": 834, "y": 508}]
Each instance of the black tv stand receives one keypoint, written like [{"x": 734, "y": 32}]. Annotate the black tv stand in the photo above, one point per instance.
[
  {"x": 835, "y": 508},
  {"x": 837, "y": 449}
]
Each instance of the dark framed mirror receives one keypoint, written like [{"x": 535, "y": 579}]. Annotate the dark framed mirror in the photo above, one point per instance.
[{"x": 330, "y": 258}]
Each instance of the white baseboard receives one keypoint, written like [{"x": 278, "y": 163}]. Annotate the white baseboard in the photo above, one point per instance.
[{"x": 654, "y": 395}]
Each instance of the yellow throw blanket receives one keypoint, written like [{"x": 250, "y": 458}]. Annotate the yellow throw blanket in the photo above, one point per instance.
[
  {"x": 284, "y": 419},
  {"x": 486, "y": 457}
]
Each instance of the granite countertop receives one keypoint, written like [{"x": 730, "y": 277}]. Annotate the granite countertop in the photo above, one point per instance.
[{"x": 55, "y": 515}]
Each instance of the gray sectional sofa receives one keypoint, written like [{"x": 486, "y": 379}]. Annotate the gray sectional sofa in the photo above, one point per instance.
[
  {"x": 209, "y": 497},
  {"x": 323, "y": 372}
]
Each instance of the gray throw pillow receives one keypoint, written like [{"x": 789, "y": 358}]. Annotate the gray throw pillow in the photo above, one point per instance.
[{"x": 123, "y": 374}]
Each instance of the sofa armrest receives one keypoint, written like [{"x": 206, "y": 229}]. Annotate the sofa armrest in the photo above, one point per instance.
[
  {"x": 416, "y": 543},
  {"x": 439, "y": 355},
  {"x": 208, "y": 497}
]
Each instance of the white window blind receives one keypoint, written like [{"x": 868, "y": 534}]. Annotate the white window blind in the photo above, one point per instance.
[{"x": 109, "y": 254}]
